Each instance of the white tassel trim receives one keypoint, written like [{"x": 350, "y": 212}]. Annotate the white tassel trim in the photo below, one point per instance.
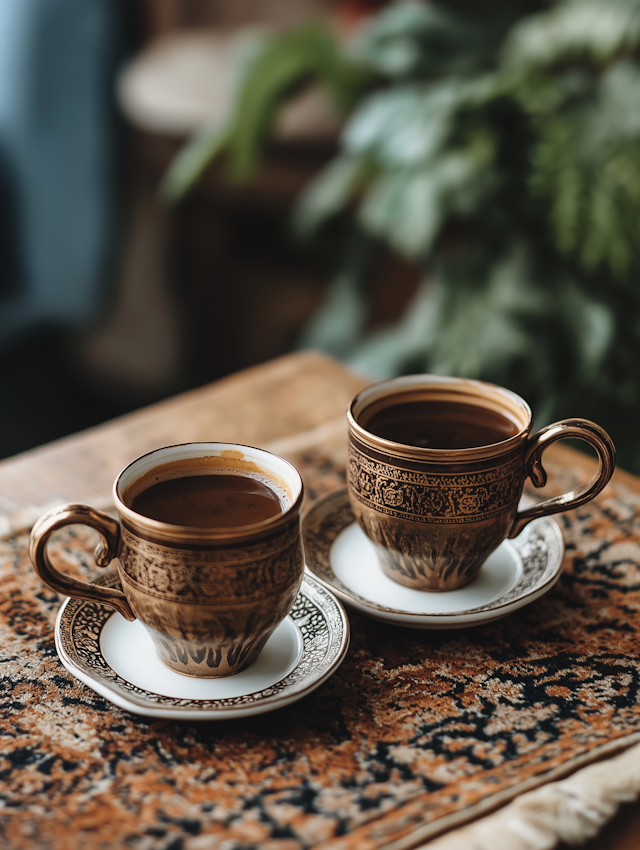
[{"x": 572, "y": 810}]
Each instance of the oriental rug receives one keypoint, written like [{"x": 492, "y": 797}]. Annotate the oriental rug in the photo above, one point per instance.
[{"x": 417, "y": 732}]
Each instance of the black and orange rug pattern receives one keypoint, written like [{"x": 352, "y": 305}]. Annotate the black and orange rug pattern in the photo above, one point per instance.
[{"x": 416, "y": 728}]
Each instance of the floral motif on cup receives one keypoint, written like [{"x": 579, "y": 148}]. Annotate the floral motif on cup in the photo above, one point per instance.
[
  {"x": 221, "y": 576},
  {"x": 434, "y": 496},
  {"x": 392, "y": 496}
]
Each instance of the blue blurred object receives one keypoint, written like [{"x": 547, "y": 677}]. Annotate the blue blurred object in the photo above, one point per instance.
[{"x": 56, "y": 161}]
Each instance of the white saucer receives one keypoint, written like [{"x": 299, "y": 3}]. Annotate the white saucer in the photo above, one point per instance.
[
  {"x": 117, "y": 660},
  {"x": 344, "y": 559}
]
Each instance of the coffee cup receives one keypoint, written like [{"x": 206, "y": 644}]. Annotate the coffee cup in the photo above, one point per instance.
[
  {"x": 210, "y": 597},
  {"x": 437, "y": 468}
]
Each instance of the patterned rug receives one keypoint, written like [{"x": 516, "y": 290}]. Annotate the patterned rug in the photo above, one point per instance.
[{"x": 417, "y": 730}]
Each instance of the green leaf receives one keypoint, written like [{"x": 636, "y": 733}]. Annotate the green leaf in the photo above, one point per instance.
[
  {"x": 390, "y": 351},
  {"x": 405, "y": 208},
  {"x": 404, "y": 125},
  {"x": 328, "y": 193},
  {"x": 390, "y": 42},
  {"x": 410, "y": 123},
  {"x": 286, "y": 62},
  {"x": 338, "y": 324},
  {"x": 481, "y": 321},
  {"x": 586, "y": 163},
  {"x": 192, "y": 160},
  {"x": 270, "y": 70},
  {"x": 573, "y": 29},
  {"x": 592, "y": 325},
  {"x": 408, "y": 207},
  {"x": 419, "y": 40},
  {"x": 209, "y": 141}
]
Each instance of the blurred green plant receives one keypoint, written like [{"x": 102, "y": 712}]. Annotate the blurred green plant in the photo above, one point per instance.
[
  {"x": 496, "y": 145},
  {"x": 271, "y": 70}
]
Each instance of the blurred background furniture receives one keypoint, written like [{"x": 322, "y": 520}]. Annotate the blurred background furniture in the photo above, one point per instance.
[
  {"x": 240, "y": 287},
  {"x": 108, "y": 299},
  {"x": 465, "y": 223}
]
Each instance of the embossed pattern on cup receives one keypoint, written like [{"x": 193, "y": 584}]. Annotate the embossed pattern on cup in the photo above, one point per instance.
[
  {"x": 210, "y": 612},
  {"x": 433, "y": 530},
  {"x": 435, "y": 515}
]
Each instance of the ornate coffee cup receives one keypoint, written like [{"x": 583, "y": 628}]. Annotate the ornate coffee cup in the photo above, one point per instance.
[
  {"x": 435, "y": 515},
  {"x": 209, "y": 597}
]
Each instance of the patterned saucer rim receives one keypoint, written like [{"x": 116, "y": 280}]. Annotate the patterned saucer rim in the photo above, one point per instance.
[
  {"x": 540, "y": 546},
  {"x": 317, "y": 614}
]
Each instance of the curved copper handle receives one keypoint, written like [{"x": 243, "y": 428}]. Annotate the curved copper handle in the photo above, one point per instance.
[
  {"x": 105, "y": 552},
  {"x": 585, "y": 430}
]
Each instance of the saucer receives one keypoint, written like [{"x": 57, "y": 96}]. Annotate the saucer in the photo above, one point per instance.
[
  {"x": 344, "y": 559},
  {"x": 117, "y": 660}
]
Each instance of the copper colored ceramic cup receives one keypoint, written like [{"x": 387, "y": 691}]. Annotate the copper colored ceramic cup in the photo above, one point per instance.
[
  {"x": 209, "y": 598},
  {"x": 435, "y": 515}
]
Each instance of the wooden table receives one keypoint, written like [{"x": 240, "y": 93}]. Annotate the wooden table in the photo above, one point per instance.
[
  {"x": 282, "y": 404},
  {"x": 259, "y": 406}
]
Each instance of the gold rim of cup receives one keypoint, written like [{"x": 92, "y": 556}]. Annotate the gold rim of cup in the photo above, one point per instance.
[
  {"x": 218, "y": 458},
  {"x": 384, "y": 394}
]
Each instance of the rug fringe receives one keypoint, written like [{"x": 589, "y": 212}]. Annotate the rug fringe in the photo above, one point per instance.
[{"x": 571, "y": 810}]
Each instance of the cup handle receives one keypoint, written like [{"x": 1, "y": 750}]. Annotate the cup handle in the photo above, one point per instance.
[
  {"x": 582, "y": 429},
  {"x": 105, "y": 552}
]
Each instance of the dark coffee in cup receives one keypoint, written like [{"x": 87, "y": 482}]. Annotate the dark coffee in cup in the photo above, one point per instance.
[
  {"x": 208, "y": 501},
  {"x": 439, "y": 424}
]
